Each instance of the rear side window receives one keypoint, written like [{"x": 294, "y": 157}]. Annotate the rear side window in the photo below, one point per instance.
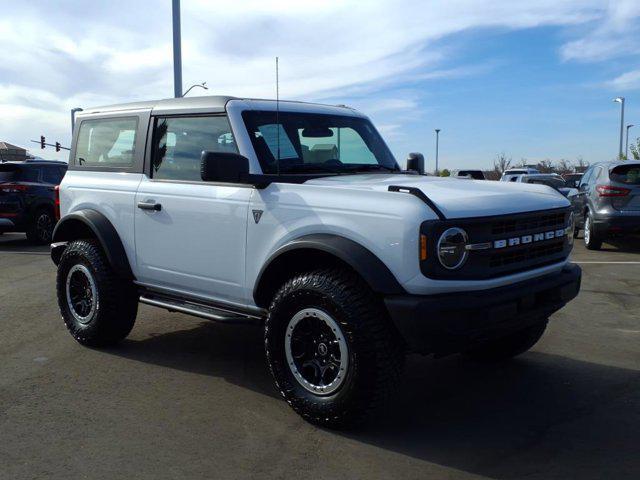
[
  {"x": 8, "y": 173},
  {"x": 180, "y": 141},
  {"x": 107, "y": 143},
  {"x": 628, "y": 174}
]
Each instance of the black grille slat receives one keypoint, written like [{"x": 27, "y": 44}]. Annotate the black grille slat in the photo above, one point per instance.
[
  {"x": 512, "y": 226},
  {"x": 526, "y": 254}
]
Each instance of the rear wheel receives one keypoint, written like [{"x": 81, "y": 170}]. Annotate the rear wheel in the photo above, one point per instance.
[
  {"x": 331, "y": 348},
  {"x": 592, "y": 240},
  {"x": 510, "y": 346},
  {"x": 41, "y": 228},
  {"x": 98, "y": 307}
]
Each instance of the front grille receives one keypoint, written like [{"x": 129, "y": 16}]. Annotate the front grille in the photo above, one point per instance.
[
  {"x": 535, "y": 222},
  {"x": 526, "y": 254},
  {"x": 531, "y": 252}
]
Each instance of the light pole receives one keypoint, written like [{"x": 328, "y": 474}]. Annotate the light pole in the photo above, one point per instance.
[
  {"x": 177, "y": 50},
  {"x": 620, "y": 100},
  {"x": 73, "y": 117},
  {"x": 437, "y": 147},
  {"x": 626, "y": 147}
]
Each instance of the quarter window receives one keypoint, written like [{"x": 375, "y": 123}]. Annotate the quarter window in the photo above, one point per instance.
[
  {"x": 106, "y": 143},
  {"x": 180, "y": 141}
]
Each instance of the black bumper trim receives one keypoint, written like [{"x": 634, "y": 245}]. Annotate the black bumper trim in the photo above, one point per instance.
[{"x": 452, "y": 322}]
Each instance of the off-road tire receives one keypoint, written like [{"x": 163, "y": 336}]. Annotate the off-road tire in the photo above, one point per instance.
[
  {"x": 41, "y": 227},
  {"x": 592, "y": 239},
  {"x": 116, "y": 302},
  {"x": 376, "y": 352},
  {"x": 509, "y": 346}
]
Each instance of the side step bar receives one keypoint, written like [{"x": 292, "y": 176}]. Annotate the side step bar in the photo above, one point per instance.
[{"x": 197, "y": 309}]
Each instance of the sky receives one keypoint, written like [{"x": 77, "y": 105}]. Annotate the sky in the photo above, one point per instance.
[{"x": 534, "y": 79}]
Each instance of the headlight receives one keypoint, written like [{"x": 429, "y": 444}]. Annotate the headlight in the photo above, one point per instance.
[
  {"x": 452, "y": 248},
  {"x": 570, "y": 229}
]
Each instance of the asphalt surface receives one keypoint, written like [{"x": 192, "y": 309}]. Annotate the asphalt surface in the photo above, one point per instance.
[{"x": 184, "y": 398}]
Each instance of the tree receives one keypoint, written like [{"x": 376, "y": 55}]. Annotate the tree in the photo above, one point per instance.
[
  {"x": 501, "y": 163},
  {"x": 581, "y": 165},
  {"x": 445, "y": 173},
  {"x": 564, "y": 166},
  {"x": 635, "y": 149},
  {"x": 545, "y": 166}
]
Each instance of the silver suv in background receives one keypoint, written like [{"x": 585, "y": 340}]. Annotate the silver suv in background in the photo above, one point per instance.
[{"x": 609, "y": 194}]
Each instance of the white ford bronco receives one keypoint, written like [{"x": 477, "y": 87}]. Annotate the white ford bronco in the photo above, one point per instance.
[{"x": 297, "y": 217}]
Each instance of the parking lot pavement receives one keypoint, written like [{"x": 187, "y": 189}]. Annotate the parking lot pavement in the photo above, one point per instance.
[{"x": 183, "y": 398}]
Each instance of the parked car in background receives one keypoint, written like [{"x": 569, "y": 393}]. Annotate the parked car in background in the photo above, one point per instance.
[
  {"x": 468, "y": 174},
  {"x": 559, "y": 184},
  {"x": 28, "y": 197},
  {"x": 572, "y": 179},
  {"x": 507, "y": 175},
  {"x": 609, "y": 193}
]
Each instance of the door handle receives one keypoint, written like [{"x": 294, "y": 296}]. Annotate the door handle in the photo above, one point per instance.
[{"x": 150, "y": 206}]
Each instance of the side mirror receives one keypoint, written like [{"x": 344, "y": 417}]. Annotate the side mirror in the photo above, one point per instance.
[
  {"x": 223, "y": 167},
  {"x": 415, "y": 162}
]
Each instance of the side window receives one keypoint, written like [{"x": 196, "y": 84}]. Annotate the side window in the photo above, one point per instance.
[
  {"x": 180, "y": 141},
  {"x": 594, "y": 176},
  {"x": 52, "y": 175},
  {"x": 585, "y": 178},
  {"x": 106, "y": 142}
]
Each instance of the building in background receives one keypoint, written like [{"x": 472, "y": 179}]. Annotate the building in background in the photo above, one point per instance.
[{"x": 13, "y": 153}]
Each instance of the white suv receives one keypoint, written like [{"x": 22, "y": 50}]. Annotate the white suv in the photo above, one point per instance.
[{"x": 296, "y": 216}]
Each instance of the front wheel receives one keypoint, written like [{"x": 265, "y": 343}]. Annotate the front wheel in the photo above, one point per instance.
[
  {"x": 97, "y": 307},
  {"x": 510, "y": 346},
  {"x": 331, "y": 348}
]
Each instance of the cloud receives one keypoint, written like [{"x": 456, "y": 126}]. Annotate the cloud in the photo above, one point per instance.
[
  {"x": 614, "y": 35},
  {"x": 626, "y": 81}
]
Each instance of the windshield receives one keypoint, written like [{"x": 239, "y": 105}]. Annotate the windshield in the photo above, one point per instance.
[{"x": 311, "y": 142}]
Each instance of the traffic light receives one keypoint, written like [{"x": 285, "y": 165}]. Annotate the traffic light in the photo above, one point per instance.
[
  {"x": 42, "y": 141},
  {"x": 57, "y": 146}
]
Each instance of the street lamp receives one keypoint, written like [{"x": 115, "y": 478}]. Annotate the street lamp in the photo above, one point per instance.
[
  {"x": 626, "y": 147},
  {"x": 620, "y": 100},
  {"x": 200, "y": 85},
  {"x": 437, "y": 147}
]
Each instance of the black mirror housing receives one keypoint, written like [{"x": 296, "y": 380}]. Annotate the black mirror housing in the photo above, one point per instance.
[
  {"x": 415, "y": 162},
  {"x": 223, "y": 167}
]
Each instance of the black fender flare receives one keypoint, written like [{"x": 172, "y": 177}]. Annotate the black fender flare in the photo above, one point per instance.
[
  {"x": 71, "y": 227},
  {"x": 363, "y": 261}
]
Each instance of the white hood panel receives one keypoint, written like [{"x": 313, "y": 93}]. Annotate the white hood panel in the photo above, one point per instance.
[{"x": 459, "y": 198}]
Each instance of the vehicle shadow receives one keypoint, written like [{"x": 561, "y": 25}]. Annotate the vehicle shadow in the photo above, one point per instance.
[
  {"x": 17, "y": 242},
  {"x": 628, "y": 244},
  {"x": 541, "y": 415}
]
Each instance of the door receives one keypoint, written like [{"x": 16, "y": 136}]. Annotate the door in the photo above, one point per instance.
[{"x": 191, "y": 235}]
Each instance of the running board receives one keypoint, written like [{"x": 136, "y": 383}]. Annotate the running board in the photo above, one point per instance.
[{"x": 197, "y": 309}]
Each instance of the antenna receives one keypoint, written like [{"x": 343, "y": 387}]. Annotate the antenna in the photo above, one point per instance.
[{"x": 278, "y": 116}]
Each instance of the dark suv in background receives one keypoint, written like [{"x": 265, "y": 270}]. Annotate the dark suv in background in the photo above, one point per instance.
[
  {"x": 609, "y": 193},
  {"x": 28, "y": 197}
]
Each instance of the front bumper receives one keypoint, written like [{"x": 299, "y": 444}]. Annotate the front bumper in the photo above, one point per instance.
[{"x": 454, "y": 322}]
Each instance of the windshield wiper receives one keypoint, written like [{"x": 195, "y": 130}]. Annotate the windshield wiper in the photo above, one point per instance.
[{"x": 310, "y": 167}]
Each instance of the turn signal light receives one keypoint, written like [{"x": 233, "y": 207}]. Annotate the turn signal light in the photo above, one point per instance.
[
  {"x": 423, "y": 247},
  {"x": 609, "y": 191}
]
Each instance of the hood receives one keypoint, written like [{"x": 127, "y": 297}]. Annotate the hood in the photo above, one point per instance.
[{"x": 459, "y": 198}]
